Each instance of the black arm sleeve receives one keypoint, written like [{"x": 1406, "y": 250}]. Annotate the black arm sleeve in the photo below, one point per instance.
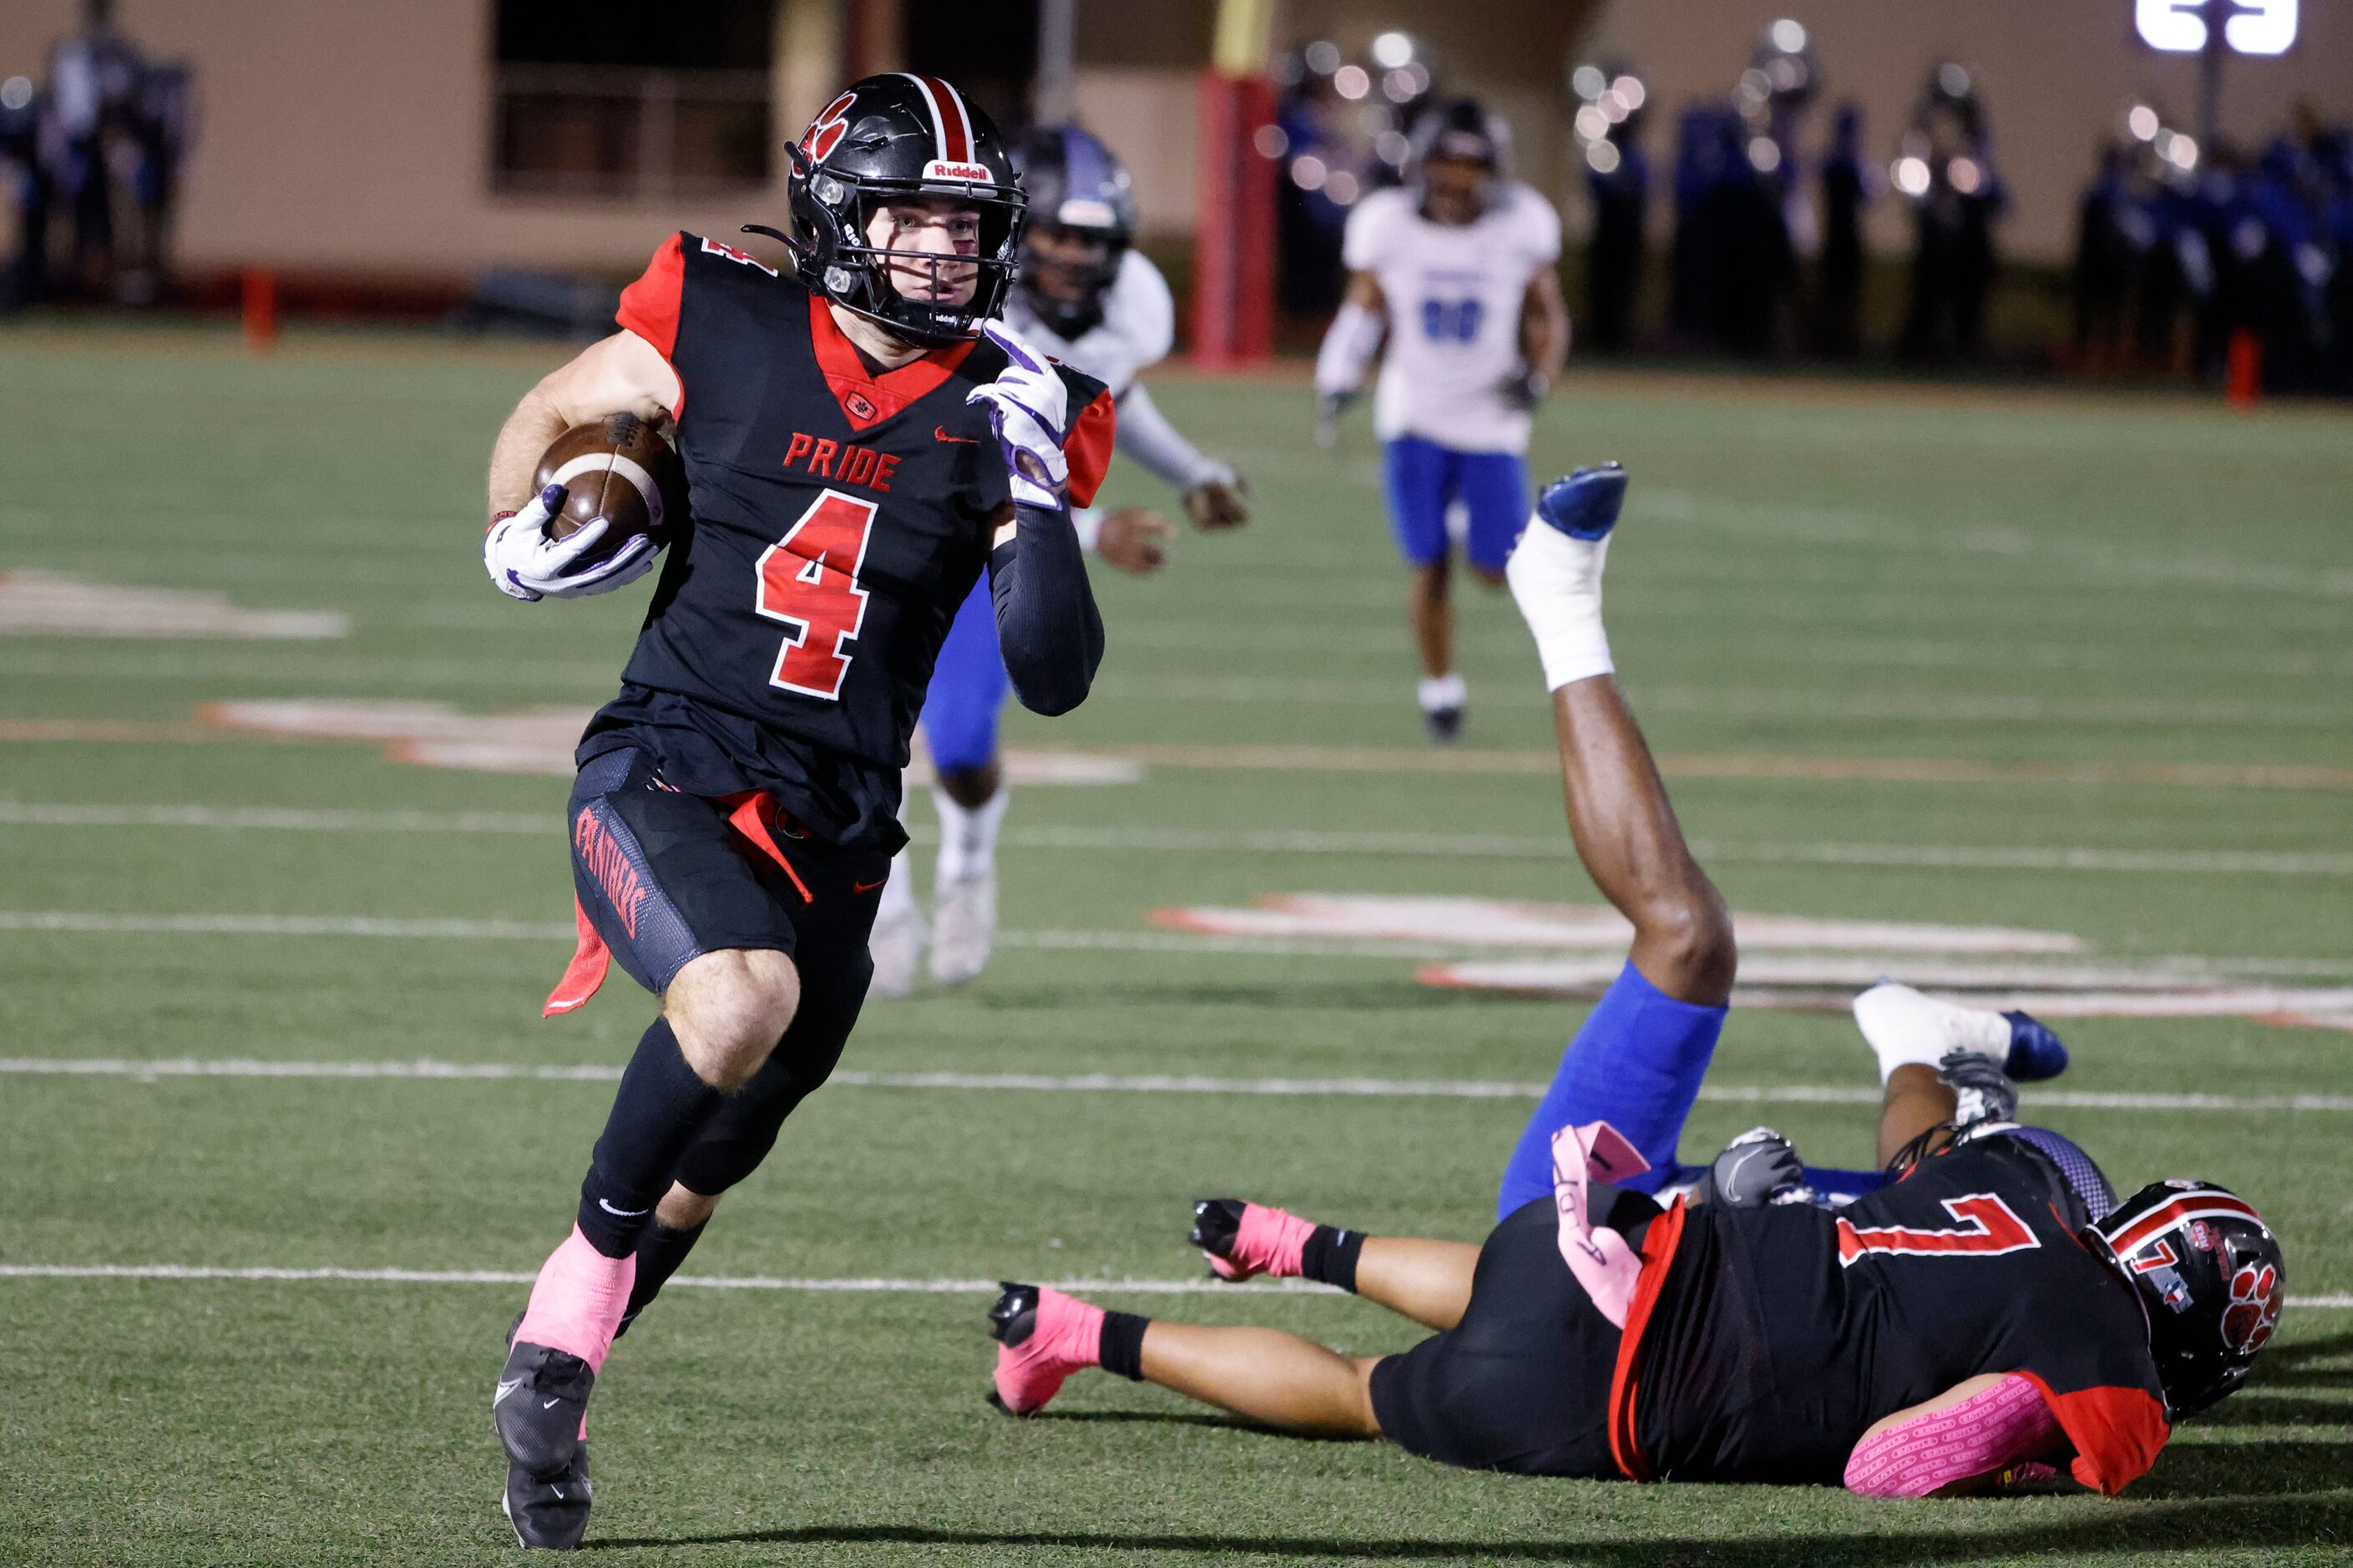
[{"x": 1047, "y": 623}]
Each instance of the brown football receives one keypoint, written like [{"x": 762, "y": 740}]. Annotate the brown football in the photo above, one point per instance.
[{"x": 619, "y": 469}]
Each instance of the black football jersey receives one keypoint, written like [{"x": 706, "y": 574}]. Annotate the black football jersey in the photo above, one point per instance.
[
  {"x": 1778, "y": 1335},
  {"x": 839, "y": 516}
]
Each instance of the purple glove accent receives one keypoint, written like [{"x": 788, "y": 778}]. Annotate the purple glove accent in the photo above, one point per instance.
[
  {"x": 623, "y": 559},
  {"x": 527, "y": 594},
  {"x": 1023, "y": 462},
  {"x": 552, "y": 498},
  {"x": 1012, "y": 347},
  {"x": 1043, "y": 423},
  {"x": 1030, "y": 467}
]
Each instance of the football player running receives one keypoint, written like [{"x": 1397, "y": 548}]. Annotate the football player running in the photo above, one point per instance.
[
  {"x": 1988, "y": 1317},
  {"x": 858, "y": 448},
  {"x": 1455, "y": 268},
  {"x": 1084, "y": 294}
]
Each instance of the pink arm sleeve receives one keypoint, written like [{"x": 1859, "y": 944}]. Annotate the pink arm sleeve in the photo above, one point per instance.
[{"x": 1984, "y": 1432}]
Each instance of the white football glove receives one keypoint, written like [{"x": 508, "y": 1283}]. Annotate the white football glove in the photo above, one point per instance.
[
  {"x": 525, "y": 564},
  {"x": 1029, "y": 411}
]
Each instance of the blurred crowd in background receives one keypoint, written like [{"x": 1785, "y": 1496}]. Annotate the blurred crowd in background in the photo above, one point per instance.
[
  {"x": 2182, "y": 249},
  {"x": 91, "y": 154},
  {"x": 1731, "y": 225}
]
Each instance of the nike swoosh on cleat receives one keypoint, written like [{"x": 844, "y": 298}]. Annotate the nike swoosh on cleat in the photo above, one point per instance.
[
  {"x": 867, "y": 887},
  {"x": 624, "y": 1214},
  {"x": 505, "y": 1388},
  {"x": 940, "y": 432}
]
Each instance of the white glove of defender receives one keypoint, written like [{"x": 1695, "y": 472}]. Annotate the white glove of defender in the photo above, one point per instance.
[
  {"x": 1029, "y": 411},
  {"x": 525, "y": 564}
]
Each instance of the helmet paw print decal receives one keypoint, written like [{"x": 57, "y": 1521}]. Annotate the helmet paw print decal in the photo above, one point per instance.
[{"x": 2254, "y": 1308}]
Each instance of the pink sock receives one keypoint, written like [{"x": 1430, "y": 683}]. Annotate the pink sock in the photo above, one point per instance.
[
  {"x": 1268, "y": 1241},
  {"x": 578, "y": 1302},
  {"x": 1068, "y": 1329},
  {"x": 1068, "y": 1337}
]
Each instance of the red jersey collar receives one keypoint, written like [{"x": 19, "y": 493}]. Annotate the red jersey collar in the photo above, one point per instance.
[{"x": 867, "y": 399}]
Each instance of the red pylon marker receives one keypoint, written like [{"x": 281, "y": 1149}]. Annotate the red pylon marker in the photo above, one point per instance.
[
  {"x": 2242, "y": 375},
  {"x": 259, "y": 309}
]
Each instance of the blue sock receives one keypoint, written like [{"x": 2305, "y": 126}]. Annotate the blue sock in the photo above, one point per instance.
[{"x": 1637, "y": 1065}]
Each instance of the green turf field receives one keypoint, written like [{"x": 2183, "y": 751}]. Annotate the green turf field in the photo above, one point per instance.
[{"x": 2081, "y": 665}]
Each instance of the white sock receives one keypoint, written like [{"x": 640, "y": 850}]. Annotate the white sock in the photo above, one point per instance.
[
  {"x": 1437, "y": 691},
  {"x": 968, "y": 835},
  {"x": 899, "y": 892},
  {"x": 1556, "y": 582},
  {"x": 1905, "y": 1029}
]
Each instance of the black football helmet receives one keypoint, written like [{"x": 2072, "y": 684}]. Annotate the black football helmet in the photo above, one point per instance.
[
  {"x": 2209, "y": 1277},
  {"x": 887, "y": 137},
  {"x": 1078, "y": 190},
  {"x": 1460, "y": 128}
]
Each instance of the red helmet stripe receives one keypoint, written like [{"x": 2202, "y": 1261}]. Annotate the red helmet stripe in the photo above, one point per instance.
[
  {"x": 956, "y": 125},
  {"x": 939, "y": 119},
  {"x": 2206, "y": 1205},
  {"x": 939, "y": 131}
]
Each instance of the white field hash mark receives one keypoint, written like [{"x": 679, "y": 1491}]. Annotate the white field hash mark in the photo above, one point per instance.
[
  {"x": 1817, "y": 981},
  {"x": 149, "y": 1069},
  {"x": 840, "y": 1285},
  {"x": 43, "y": 603},
  {"x": 2152, "y": 971},
  {"x": 1277, "y": 841}
]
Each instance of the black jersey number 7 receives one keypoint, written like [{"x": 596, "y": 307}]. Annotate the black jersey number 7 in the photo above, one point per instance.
[{"x": 808, "y": 580}]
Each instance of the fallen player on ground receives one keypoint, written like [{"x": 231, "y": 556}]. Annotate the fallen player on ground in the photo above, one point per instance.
[{"x": 1972, "y": 1324}]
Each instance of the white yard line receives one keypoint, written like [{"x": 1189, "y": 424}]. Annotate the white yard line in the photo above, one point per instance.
[
  {"x": 1283, "y": 841},
  {"x": 152, "y": 1069},
  {"x": 284, "y": 925},
  {"x": 43, "y": 814},
  {"x": 1872, "y": 707},
  {"x": 2142, "y": 973},
  {"x": 848, "y": 1285},
  {"x": 88, "y": 922},
  {"x": 842, "y": 1285}
]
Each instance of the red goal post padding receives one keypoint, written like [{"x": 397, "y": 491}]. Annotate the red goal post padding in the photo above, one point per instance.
[{"x": 1233, "y": 236}]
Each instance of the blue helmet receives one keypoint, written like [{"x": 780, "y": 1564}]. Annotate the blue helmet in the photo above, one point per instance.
[{"x": 1079, "y": 191}]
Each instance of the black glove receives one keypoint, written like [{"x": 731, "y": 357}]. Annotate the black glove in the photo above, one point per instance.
[
  {"x": 1526, "y": 388},
  {"x": 1329, "y": 407},
  {"x": 1757, "y": 1168},
  {"x": 1983, "y": 1091}
]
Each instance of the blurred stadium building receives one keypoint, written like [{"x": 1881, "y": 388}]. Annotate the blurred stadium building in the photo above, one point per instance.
[{"x": 409, "y": 148}]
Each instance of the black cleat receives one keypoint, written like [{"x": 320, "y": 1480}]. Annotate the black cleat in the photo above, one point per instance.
[
  {"x": 1015, "y": 1316},
  {"x": 1217, "y": 1223},
  {"x": 549, "y": 1514},
  {"x": 1011, "y": 1321},
  {"x": 1445, "y": 724},
  {"x": 543, "y": 1399}
]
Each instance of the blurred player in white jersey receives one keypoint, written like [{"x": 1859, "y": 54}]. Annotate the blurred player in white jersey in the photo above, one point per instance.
[
  {"x": 1455, "y": 268},
  {"x": 1086, "y": 296}
]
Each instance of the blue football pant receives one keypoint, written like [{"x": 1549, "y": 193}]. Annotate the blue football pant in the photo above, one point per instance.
[
  {"x": 969, "y": 688},
  {"x": 1637, "y": 1064},
  {"x": 1421, "y": 478}
]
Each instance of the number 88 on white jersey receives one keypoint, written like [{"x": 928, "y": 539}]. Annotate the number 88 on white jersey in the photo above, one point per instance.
[{"x": 1454, "y": 294}]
